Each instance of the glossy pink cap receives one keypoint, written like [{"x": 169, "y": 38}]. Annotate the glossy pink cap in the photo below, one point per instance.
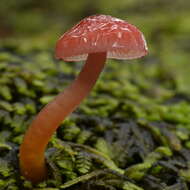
[{"x": 101, "y": 33}]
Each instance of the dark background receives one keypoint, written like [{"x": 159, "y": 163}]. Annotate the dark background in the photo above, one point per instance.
[{"x": 165, "y": 23}]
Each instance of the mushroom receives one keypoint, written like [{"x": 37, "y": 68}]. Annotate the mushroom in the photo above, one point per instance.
[{"x": 93, "y": 40}]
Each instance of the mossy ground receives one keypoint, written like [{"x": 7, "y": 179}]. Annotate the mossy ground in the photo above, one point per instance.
[{"x": 133, "y": 130}]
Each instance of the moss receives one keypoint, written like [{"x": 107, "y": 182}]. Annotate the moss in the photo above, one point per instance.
[{"x": 132, "y": 132}]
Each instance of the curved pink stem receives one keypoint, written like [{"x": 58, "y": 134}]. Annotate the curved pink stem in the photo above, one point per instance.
[{"x": 32, "y": 160}]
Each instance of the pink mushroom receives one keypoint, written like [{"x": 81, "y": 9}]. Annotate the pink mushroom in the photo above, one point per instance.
[{"x": 93, "y": 40}]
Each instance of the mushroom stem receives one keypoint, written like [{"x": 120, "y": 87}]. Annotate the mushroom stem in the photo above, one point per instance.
[{"x": 32, "y": 159}]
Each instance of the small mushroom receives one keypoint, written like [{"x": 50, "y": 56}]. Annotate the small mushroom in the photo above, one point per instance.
[{"x": 93, "y": 40}]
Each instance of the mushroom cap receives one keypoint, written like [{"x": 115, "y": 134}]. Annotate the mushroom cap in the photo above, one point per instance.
[{"x": 101, "y": 33}]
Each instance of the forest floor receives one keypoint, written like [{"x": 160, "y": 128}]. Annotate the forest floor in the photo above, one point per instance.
[{"x": 132, "y": 132}]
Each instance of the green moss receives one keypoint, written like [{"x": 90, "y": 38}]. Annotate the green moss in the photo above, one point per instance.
[{"x": 132, "y": 132}]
